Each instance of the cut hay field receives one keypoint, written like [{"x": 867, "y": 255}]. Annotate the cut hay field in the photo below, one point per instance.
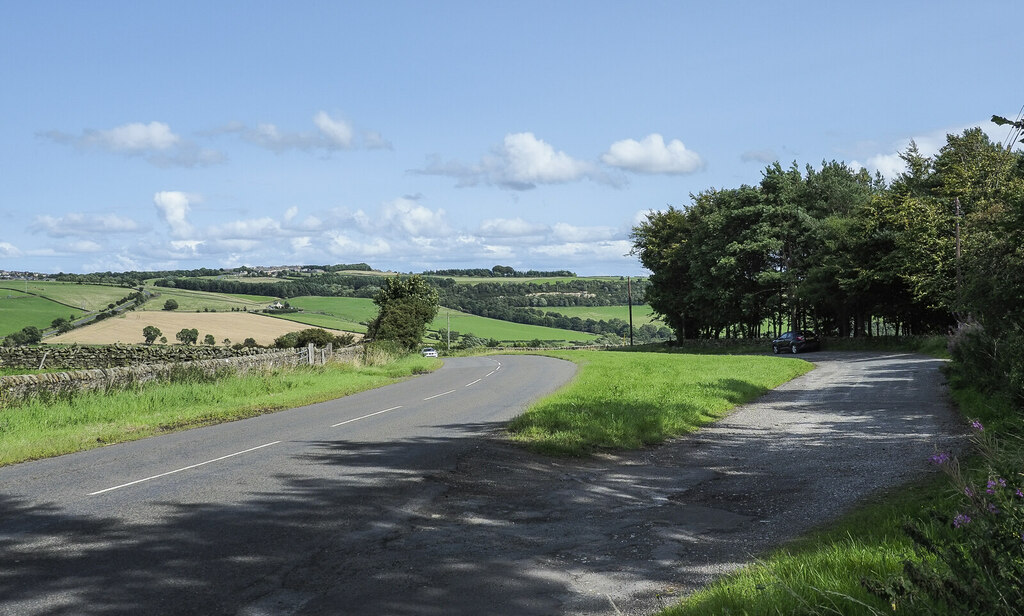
[
  {"x": 18, "y": 310},
  {"x": 235, "y": 326},
  {"x": 504, "y": 331},
  {"x": 203, "y": 300}
]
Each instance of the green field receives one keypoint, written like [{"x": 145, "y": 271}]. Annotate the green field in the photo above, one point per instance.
[
  {"x": 504, "y": 331},
  {"x": 642, "y": 314},
  {"x": 18, "y": 310},
  {"x": 87, "y": 297},
  {"x": 551, "y": 280},
  {"x": 344, "y": 313},
  {"x": 192, "y": 301}
]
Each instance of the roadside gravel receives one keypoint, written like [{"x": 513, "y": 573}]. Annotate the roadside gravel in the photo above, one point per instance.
[{"x": 512, "y": 533}]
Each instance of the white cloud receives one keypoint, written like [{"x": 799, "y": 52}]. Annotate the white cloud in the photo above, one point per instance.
[
  {"x": 599, "y": 251},
  {"x": 83, "y": 224},
  {"x": 291, "y": 213},
  {"x": 413, "y": 219},
  {"x": 135, "y": 137},
  {"x": 565, "y": 232},
  {"x": 521, "y": 162},
  {"x": 511, "y": 227},
  {"x": 83, "y": 246},
  {"x": 173, "y": 207},
  {"x": 9, "y": 250},
  {"x": 652, "y": 155},
  {"x": 331, "y": 134},
  {"x": 253, "y": 228},
  {"x": 766, "y": 156},
  {"x": 155, "y": 142},
  {"x": 341, "y": 245},
  {"x": 337, "y": 132}
]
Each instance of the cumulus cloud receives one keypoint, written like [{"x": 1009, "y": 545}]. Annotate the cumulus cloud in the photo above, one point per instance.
[
  {"x": 331, "y": 134},
  {"x": 521, "y": 162},
  {"x": 154, "y": 141},
  {"x": 565, "y": 232},
  {"x": 9, "y": 250},
  {"x": 173, "y": 207},
  {"x": 83, "y": 246},
  {"x": 83, "y": 224},
  {"x": 409, "y": 217},
  {"x": 511, "y": 227},
  {"x": 652, "y": 155}
]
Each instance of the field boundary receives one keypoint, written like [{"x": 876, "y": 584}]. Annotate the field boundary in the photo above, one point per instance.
[{"x": 21, "y": 386}]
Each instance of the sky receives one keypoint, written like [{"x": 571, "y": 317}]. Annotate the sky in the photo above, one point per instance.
[{"x": 428, "y": 135}]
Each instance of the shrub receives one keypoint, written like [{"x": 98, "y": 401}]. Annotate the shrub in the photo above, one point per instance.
[
  {"x": 970, "y": 560},
  {"x": 319, "y": 337},
  {"x": 382, "y": 352},
  {"x": 170, "y": 305}
]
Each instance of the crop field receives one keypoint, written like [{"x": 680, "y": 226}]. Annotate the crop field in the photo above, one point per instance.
[
  {"x": 234, "y": 326},
  {"x": 642, "y": 314},
  {"x": 87, "y": 297},
  {"x": 345, "y": 313},
  {"x": 504, "y": 331},
  {"x": 18, "y": 310},
  {"x": 202, "y": 300}
]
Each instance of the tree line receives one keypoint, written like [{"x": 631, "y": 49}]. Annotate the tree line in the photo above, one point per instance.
[
  {"x": 500, "y": 271},
  {"x": 837, "y": 250}
]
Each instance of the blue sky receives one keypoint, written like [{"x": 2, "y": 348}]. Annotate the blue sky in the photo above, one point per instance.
[{"x": 425, "y": 135}]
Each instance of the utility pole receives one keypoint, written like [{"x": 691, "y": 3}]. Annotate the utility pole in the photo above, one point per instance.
[{"x": 629, "y": 296}]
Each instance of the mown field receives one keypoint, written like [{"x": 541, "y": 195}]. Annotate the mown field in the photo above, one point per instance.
[
  {"x": 203, "y": 300},
  {"x": 86, "y": 297},
  {"x": 18, "y": 310},
  {"x": 235, "y": 326}
]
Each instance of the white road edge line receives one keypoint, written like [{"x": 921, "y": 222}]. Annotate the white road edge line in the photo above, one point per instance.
[
  {"x": 490, "y": 373},
  {"x": 394, "y": 408},
  {"x": 474, "y": 382},
  {"x": 439, "y": 395},
  {"x": 185, "y": 468}
]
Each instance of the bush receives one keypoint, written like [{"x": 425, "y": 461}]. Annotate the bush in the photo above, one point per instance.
[
  {"x": 319, "y": 337},
  {"x": 170, "y": 305},
  {"x": 988, "y": 363},
  {"x": 28, "y": 335}
]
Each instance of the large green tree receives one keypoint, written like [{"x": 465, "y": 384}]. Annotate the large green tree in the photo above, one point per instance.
[{"x": 406, "y": 306}]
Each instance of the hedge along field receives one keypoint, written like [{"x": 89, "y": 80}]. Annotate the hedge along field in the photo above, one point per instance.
[
  {"x": 628, "y": 400},
  {"x": 87, "y": 297},
  {"x": 507, "y": 331},
  {"x": 551, "y": 280},
  {"x": 18, "y": 310}
]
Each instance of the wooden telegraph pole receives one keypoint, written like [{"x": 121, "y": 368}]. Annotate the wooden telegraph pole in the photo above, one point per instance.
[{"x": 629, "y": 296}]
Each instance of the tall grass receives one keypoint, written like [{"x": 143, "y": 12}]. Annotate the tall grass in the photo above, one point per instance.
[
  {"x": 41, "y": 428},
  {"x": 630, "y": 400}
]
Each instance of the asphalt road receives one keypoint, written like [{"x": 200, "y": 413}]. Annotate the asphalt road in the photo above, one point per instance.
[
  {"x": 228, "y": 519},
  {"x": 413, "y": 508}
]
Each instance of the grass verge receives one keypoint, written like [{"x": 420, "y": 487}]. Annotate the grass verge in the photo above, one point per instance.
[
  {"x": 821, "y": 573},
  {"x": 630, "y": 400},
  {"x": 46, "y": 428}
]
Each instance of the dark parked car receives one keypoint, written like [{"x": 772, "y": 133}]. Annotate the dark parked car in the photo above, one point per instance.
[{"x": 795, "y": 342}]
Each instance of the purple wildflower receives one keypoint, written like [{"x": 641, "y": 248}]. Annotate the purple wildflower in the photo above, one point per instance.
[
  {"x": 990, "y": 488},
  {"x": 993, "y": 509},
  {"x": 940, "y": 458},
  {"x": 961, "y": 519},
  {"x": 1002, "y": 482},
  {"x": 1019, "y": 493},
  {"x": 977, "y": 426},
  {"x": 968, "y": 491}
]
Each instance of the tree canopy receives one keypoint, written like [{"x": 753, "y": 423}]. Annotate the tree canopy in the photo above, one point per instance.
[{"x": 407, "y": 305}]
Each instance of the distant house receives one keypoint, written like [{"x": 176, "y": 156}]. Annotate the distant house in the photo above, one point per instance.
[{"x": 275, "y": 306}]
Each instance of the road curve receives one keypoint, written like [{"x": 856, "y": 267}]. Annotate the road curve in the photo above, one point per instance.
[
  {"x": 407, "y": 516},
  {"x": 215, "y": 520}
]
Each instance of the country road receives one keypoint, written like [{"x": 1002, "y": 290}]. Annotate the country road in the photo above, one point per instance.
[{"x": 401, "y": 501}]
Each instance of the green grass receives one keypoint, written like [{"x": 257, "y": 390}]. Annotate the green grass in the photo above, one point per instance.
[
  {"x": 642, "y": 313},
  {"x": 18, "y": 310},
  {"x": 544, "y": 280},
  {"x": 344, "y": 313},
  {"x": 39, "y": 428},
  {"x": 504, "y": 331},
  {"x": 631, "y": 400},
  {"x": 86, "y": 297},
  {"x": 191, "y": 301}
]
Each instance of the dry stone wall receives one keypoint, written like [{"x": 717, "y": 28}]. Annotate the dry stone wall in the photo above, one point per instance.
[
  {"x": 20, "y": 386},
  {"x": 114, "y": 355}
]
